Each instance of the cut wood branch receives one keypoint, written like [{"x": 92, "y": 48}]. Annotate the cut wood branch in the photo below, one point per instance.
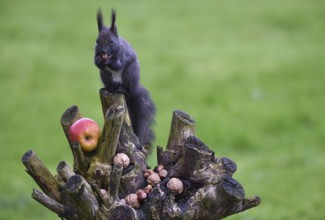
[
  {"x": 114, "y": 183},
  {"x": 121, "y": 211},
  {"x": 102, "y": 195},
  {"x": 64, "y": 171},
  {"x": 42, "y": 176},
  {"x": 249, "y": 203},
  {"x": 70, "y": 116},
  {"x": 80, "y": 161},
  {"x": 127, "y": 135},
  {"x": 52, "y": 205},
  {"x": 110, "y": 135},
  {"x": 107, "y": 100},
  {"x": 83, "y": 196},
  {"x": 182, "y": 127},
  {"x": 194, "y": 161}
]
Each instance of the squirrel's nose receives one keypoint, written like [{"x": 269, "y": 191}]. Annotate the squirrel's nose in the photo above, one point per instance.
[{"x": 103, "y": 51}]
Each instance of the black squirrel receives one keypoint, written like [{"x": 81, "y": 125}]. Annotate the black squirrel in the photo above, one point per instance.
[{"x": 120, "y": 73}]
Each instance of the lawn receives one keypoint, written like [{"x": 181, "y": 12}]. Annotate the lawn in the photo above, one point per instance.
[{"x": 251, "y": 74}]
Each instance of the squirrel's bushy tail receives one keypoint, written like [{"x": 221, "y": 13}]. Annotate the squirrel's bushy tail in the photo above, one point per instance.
[{"x": 142, "y": 112}]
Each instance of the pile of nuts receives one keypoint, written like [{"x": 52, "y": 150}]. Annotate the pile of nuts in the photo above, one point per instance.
[{"x": 154, "y": 177}]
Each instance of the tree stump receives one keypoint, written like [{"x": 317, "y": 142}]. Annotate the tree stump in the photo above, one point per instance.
[{"x": 189, "y": 182}]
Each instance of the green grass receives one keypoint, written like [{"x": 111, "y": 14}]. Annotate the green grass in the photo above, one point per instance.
[{"x": 251, "y": 74}]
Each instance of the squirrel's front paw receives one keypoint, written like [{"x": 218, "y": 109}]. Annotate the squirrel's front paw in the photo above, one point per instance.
[
  {"x": 116, "y": 88},
  {"x": 99, "y": 61},
  {"x": 120, "y": 89}
]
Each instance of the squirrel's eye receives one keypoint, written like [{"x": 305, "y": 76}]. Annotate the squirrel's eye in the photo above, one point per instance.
[{"x": 112, "y": 42}]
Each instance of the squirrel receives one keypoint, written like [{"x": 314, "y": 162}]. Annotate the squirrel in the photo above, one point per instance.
[{"x": 120, "y": 73}]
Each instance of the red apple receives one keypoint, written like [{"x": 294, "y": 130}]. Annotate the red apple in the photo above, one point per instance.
[{"x": 85, "y": 131}]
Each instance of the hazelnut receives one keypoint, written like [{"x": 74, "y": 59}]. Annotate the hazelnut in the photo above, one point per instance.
[
  {"x": 159, "y": 168},
  {"x": 154, "y": 179},
  {"x": 122, "y": 160},
  {"x": 148, "y": 189},
  {"x": 147, "y": 173},
  {"x": 175, "y": 185},
  {"x": 141, "y": 194},
  {"x": 132, "y": 200},
  {"x": 163, "y": 173}
]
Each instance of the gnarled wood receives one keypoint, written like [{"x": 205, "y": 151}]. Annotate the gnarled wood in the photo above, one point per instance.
[
  {"x": 107, "y": 100},
  {"x": 96, "y": 188},
  {"x": 182, "y": 127},
  {"x": 194, "y": 161}
]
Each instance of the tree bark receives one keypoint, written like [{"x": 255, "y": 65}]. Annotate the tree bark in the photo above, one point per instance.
[
  {"x": 109, "y": 140},
  {"x": 182, "y": 127},
  {"x": 83, "y": 197},
  {"x": 80, "y": 160},
  {"x": 41, "y": 175},
  {"x": 64, "y": 171},
  {"x": 52, "y": 205},
  {"x": 114, "y": 184},
  {"x": 70, "y": 116}
]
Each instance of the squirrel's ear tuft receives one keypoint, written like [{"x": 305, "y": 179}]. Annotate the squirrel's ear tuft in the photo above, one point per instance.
[
  {"x": 113, "y": 25},
  {"x": 100, "y": 22}
]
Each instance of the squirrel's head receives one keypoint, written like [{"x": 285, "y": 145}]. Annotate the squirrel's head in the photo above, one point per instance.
[{"x": 107, "y": 43}]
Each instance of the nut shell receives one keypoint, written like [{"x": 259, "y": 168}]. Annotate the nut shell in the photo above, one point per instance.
[
  {"x": 132, "y": 200},
  {"x": 154, "y": 179},
  {"x": 147, "y": 173},
  {"x": 159, "y": 168},
  {"x": 175, "y": 185},
  {"x": 148, "y": 189},
  {"x": 142, "y": 195},
  {"x": 122, "y": 160},
  {"x": 163, "y": 173}
]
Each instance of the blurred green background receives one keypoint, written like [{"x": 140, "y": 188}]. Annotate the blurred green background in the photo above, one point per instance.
[{"x": 251, "y": 74}]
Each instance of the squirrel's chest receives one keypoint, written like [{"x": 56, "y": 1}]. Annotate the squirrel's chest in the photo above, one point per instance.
[{"x": 116, "y": 75}]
